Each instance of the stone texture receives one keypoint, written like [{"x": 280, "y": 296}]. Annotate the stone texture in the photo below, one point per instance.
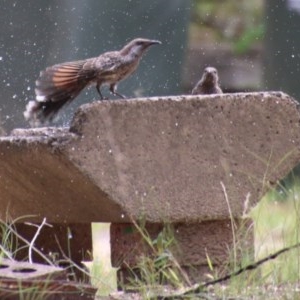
[
  {"x": 192, "y": 244},
  {"x": 37, "y": 180},
  {"x": 161, "y": 159}
]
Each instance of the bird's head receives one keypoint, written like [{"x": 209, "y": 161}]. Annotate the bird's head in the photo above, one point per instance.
[
  {"x": 211, "y": 75},
  {"x": 138, "y": 46}
]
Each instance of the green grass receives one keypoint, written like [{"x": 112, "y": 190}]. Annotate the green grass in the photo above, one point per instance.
[
  {"x": 276, "y": 220},
  {"x": 276, "y": 225}
]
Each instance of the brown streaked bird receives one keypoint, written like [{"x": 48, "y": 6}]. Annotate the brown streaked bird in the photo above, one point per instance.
[
  {"x": 61, "y": 83},
  {"x": 209, "y": 83}
]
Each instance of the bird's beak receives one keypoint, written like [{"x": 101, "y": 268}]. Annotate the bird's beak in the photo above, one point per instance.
[{"x": 153, "y": 42}]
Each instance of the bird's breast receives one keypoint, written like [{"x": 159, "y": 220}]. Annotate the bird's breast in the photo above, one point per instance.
[{"x": 118, "y": 71}]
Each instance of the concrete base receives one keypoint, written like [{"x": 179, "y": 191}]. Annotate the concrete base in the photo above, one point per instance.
[
  {"x": 154, "y": 159},
  {"x": 159, "y": 158},
  {"x": 193, "y": 246}
]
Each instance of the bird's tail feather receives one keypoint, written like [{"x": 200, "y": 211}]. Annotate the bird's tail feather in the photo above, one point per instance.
[
  {"x": 56, "y": 86},
  {"x": 38, "y": 113}
]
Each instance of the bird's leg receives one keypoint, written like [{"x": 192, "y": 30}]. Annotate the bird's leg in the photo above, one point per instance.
[
  {"x": 99, "y": 92},
  {"x": 112, "y": 88}
]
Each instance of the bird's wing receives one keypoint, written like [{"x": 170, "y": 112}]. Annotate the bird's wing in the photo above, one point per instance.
[
  {"x": 57, "y": 86},
  {"x": 62, "y": 81},
  {"x": 108, "y": 63}
]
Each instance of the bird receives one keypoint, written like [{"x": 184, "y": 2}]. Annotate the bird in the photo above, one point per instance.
[
  {"x": 209, "y": 83},
  {"x": 60, "y": 84}
]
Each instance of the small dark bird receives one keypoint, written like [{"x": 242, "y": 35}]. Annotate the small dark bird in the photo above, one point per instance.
[
  {"x": 61, "y": 83},
  {"x": 208, "y": 84}
]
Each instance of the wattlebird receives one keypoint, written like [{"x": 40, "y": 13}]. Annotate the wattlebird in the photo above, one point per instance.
[{"x": 60, "y": 84}]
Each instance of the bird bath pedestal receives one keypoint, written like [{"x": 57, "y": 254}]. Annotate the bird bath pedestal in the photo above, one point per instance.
[{"x": 191, "y": 161}]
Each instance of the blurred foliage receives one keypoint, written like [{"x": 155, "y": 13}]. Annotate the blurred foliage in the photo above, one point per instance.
[
  {"x": 249, "y": 37},
  {"x": 239, "y": 22},
  {"x": 277, "y": 223}
]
